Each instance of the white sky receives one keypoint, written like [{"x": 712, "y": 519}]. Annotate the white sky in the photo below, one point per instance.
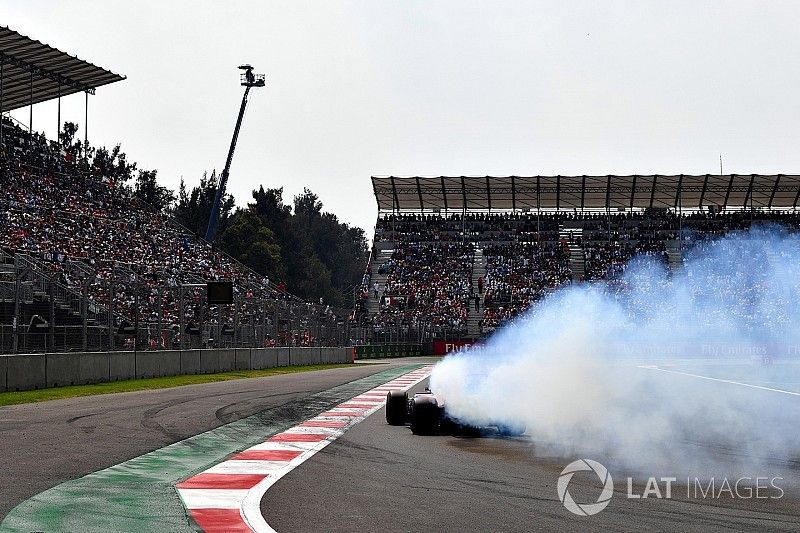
[{"x": 431, "y": 88}]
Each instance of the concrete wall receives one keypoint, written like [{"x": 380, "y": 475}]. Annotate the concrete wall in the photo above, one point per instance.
[
  {"x": 25, "y": 372},
  {"x": 158, "y": 363},
  {"x": 3, "y": 373},
  {"x": 243, "y": 356},
  {"x": 190, "y": 362},
  {"x": 284, "y": 357},
  {"x": 261, "y": 358},
  {"x": 122, "y": 365},
  {"x": 227, "y": 360},
  {"x": 94, "y": 367},
  {"x": 36, "y": 371}
]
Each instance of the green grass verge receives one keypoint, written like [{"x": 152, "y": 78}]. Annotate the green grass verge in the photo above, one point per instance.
[{"x": 129, "y": 385}]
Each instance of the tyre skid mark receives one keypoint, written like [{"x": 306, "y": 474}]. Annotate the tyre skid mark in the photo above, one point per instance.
[{"x": 227, "y": 496}]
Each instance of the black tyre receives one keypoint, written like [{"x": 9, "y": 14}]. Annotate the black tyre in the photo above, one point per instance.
[
  {"x": 425, "y": 415},
  {"x": 396, "y": 406}
]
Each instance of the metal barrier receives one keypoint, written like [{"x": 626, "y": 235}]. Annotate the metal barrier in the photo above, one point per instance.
[{"x": 67, "y": 306}]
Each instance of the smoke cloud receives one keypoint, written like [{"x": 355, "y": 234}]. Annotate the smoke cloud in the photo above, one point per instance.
[{"x": 600, "y": 370}]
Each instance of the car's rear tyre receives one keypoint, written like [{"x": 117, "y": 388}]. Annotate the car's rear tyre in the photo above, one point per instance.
[
  {"x": 396, "y": 406},
  {"x": 425, "y": 415}
]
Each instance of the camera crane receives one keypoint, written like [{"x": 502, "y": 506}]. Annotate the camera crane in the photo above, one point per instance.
[{"x": 248, "y": 81}]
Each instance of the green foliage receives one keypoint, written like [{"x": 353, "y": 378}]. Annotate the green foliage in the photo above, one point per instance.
[
  {"x": 321, "y": 257},
  {"x": 250, "y": 241},
  {"x": 192, "y": 209},
  {"x": 113, "y": 164},
  {"x": 314, "y": 254},
  {"x": 148, "y": 189}
]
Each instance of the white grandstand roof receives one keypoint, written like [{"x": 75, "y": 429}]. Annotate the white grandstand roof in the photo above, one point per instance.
[
  {"x": 34, "y": 72},
  {"x": 415, "y": 193}
]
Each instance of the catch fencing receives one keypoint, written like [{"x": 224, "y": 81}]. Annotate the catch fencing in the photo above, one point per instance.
[{"x": 69, "y": 305}]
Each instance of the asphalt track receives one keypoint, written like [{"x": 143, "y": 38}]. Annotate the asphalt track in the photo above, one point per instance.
[
  {"x": 382, "y": 478},
  {"x": 373, "y": 478},
  {"x": 45, "y": 444}
]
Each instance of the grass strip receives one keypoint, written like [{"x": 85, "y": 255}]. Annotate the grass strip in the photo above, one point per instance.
[{"x": 130, "y": 385}]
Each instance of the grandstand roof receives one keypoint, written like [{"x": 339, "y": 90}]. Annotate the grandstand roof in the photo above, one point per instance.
[
  {"x": 53, "y": 72},
  {"x": 414, "y": 193}
]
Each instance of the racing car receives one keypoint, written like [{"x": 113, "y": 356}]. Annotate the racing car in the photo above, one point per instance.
[{"x": 424, "y": 412}]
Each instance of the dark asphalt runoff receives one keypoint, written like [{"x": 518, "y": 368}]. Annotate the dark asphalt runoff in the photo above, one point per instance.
[
  {"x": 382, "y": 478},
  {"x": 45, "y": 444}
]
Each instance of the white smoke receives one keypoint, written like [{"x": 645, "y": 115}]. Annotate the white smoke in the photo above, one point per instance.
[{"x": 573, "y": 370}]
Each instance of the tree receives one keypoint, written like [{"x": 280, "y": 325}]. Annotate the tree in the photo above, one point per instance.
[
  {"x": 67, "y": 135},
  {"x": 114, "y": 164},
  {"x": 155, "y": 195},
  {"x": 253, "y": 243},
  {"x": 193, "y": 209}
]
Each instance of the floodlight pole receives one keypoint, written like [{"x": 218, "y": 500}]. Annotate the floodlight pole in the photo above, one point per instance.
[{"x": 248, "y": 80}]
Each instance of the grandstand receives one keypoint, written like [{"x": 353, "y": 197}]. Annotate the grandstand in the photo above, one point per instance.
[
  {"x": 457, "y": 257},
  {"x": 86, "y": 265}
]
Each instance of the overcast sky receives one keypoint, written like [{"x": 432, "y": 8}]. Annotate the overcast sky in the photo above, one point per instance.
[{"x": 431, "y": 88}]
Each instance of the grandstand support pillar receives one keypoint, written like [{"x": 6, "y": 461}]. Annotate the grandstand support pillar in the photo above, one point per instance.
[
  {"x": 289, "y": 323},
  {"x": 160, "y": 313},
  {"x": 111, "y": 312},
  {"x": 58, "y": 118},
  {"x": 2, "y": 95},
  {"x": 275, "y": 322},
  {"x": 30, "y": 112},
  {"x": 84, "y": 315},
  {"x": 136, "y": 320},
  {"x": 15, "y": 322},
  {"x": 86, "y": 129},
  {"x": 201, "y": 322},
  {"x": 236, "y": 335},
  {"x": 263, "y": 336},
  {"x": 51, "y": 326},
  {"x": 180, "y": 317}
]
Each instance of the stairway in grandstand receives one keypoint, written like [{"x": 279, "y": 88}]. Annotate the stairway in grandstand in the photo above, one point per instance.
[
  {"x": 35, "y": 291},
  {"x": 674, "y": 255},
  {"x": 380, "y": 257},
  {"x": 577, "y": 259},
  {"x": 478, "y": 271}
]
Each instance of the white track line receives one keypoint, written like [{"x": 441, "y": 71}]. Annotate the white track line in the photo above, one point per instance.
[{"x": 652, "y": 367}]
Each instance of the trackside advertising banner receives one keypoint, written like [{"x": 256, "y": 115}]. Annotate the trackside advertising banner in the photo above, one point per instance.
[{"x": 442, "y": 347}]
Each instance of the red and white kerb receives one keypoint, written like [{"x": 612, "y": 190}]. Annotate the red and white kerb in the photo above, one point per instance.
[{"x": 227, "y": 496}]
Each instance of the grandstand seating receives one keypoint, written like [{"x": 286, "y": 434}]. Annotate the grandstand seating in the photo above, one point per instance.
[
  {"x": 517, "y": 258},
  {"x": 103, "y": 242}
]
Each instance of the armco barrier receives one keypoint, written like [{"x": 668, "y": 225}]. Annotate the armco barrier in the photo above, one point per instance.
[
  {"x": 382, "y": 351},
  {"x": 37, "y": 371}
]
